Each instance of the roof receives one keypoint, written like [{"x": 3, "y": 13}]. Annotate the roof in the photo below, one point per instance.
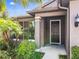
[
  {"x": 52, "y": 5},
  {"x": 48, "y": 6},
  {"x": 23, "y": 17}
]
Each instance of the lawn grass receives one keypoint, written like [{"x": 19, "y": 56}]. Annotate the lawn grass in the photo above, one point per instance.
[{"x": 62, "y": 57}]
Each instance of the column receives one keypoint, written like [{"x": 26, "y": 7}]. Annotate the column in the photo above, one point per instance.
[{"x": 37, "y": 31}]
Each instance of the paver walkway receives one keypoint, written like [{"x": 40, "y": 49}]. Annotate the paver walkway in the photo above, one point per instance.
[{"x": 52, "y": 52}]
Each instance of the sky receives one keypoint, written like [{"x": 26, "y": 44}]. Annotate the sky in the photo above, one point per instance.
[{"x": 17, "y": 9}]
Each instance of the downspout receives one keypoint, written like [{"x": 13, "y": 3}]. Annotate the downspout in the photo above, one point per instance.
[
  {"x": 68, "y": 29},
  {"x": 65, "y": 8}
]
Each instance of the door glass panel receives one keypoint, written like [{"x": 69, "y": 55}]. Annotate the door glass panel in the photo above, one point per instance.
[{"x": 55, "y": 32}]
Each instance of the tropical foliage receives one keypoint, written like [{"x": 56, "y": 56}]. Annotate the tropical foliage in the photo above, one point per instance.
[
  {"x": 24, "y": 3},
  {"x": 10, "y": 49},
  {"x": 29, "y": 31},
  {"x": 7, "y": 27},
  {"x": 4, "y": 55},
  {"x": 2, "y": 6},
  {"x": 25, "y": 50}
]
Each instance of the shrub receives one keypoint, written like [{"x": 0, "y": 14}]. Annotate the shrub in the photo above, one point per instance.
[
  {"x": 12, "y": 47},
  {"x": 8, "y": 27},
  {"x": 62, "y": 57},
  {"x": 25, "y": 50},
  {"x": 10, "y": 50},
  {"x": 37, "y": 55},
  {"x": 75, "y": 52},
  {"x": 4, "y": 55}
]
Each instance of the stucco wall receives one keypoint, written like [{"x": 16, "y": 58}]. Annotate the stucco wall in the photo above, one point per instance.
[{"x": 74, "y": 31}]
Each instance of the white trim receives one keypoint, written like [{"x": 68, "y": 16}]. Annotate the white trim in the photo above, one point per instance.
[
  {"x": 59, "y": 31},
  {"x": 37, "y": 20},
  {"x": 37, "y": 17},
  {"x": 23, "y": 29}
]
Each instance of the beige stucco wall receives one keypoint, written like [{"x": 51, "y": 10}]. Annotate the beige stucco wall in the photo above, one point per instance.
[{"x": 74, "y": 31}]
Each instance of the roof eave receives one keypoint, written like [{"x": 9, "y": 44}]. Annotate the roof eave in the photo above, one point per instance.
[{"x": 34, "y": 12}]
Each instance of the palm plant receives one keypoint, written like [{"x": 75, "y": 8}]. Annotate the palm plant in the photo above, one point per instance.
[
  {"x": 26, "y": 2},
  {"x": 7, "y": 27},
  {"x": 2, "y": 6},
  {"x": 22, "y": 2}
]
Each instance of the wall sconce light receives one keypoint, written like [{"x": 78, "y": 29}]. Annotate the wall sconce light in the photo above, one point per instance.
[{"x": 76, "y": 20}]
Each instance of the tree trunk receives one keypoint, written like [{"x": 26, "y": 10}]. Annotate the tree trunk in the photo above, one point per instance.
[{"x": 6, "y": 36}]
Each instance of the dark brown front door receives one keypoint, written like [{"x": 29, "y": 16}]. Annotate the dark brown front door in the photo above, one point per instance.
[{"x": 55, "y": 32}]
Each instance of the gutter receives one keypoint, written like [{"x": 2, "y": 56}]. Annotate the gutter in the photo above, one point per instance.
[
  {"x": 62, "y": 7},
  {"x": 68, "y": 29}
]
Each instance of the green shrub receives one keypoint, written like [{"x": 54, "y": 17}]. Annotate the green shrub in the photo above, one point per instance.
[
  {"x": 12, "y": 47},
  {"x": 4, "y": 55},
  {"x": 25, "y": 50},
  {"x": 37, "y": 55},
  {"x": 62, "y": 57},
  {"x": 75, "y": 52}
]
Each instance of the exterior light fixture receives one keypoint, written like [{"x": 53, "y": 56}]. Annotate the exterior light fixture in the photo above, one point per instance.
[{"x": 76, "y": 20}]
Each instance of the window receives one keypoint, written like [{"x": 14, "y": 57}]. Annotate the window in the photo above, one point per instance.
[{"x": 28, "y": 29}]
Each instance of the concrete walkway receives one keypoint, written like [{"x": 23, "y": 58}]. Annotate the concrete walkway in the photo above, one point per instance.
[{"x": 52, "y": 52}]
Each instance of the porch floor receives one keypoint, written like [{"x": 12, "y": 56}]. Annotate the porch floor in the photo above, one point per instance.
[{"x": 52, "y": 51}]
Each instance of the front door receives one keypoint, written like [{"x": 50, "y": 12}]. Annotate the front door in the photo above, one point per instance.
[{"x": 55, "y": 31}]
